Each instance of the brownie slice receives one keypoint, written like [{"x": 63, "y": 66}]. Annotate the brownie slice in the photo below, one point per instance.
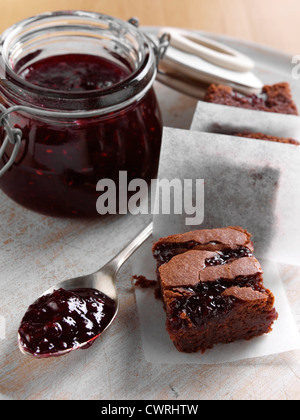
[
  {"x": 274, "y": 98},
  {"x": 261, "y": 136},
  {"x": 214, "y": 292},
  {"x": 228, "y": 239}
]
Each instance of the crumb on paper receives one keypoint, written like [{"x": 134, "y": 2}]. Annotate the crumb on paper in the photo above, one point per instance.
[{"x": 141, "y": 281}]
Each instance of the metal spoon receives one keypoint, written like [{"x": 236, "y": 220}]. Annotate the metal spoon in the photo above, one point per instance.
[{"x": 103, "y": 280}]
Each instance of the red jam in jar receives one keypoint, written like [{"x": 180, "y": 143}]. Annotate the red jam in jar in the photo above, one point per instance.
[
  {"x": 83, "y": 116},
  {"x": 74, "y": 73}
]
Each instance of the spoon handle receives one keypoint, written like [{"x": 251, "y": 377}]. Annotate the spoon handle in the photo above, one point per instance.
[{"x": 117, "y": 262}]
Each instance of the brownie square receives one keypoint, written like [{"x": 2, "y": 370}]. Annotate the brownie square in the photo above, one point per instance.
[
  {"x": 212, "y": 288},
  {"x": 266, "y": 137},
  {"x": 274, "y": 98},
  {"x": 232, "y": 237}
]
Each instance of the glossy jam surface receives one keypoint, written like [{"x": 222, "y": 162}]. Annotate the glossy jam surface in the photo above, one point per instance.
[
  {"x": 166, "y": 252},
  {"x": 228, "y": 255},
  {"x": 74, "y": 73},
  {"x": 63, "y": 320},
  {"x": 60, "y": 162},
  {"x": 206, "y": 301}
]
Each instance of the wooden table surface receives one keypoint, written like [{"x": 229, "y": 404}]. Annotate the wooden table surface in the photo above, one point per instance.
[
  {"x": 37, "y": 251},
  {"x": 271, "y": 22}
]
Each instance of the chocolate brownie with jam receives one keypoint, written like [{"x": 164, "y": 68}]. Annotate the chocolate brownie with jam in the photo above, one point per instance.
[
  {"x": 274, "y": 98},
  {"x": 212, "y": 288},
  {"x": 230, "y": 238}
]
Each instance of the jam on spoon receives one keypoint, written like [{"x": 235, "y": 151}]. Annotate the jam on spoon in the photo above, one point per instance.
[
  {"x": 61, "y": 321},
  {"x": 74, "y": 312}
]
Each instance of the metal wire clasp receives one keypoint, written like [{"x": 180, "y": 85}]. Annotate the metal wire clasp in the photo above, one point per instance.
[
  {"x": 159, "y": 48},
  {"x": 13, "y": 136}
]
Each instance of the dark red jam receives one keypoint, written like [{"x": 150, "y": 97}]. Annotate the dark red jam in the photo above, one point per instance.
[
  {"x": 227, "y": 255},
  {"x": 64, "y": 320},
  {"x": 205, "y": 300},
  {"x": 74, "y": 73},
  {"x": 166, "y": 252},
  {"x": 61, "y": 161}
]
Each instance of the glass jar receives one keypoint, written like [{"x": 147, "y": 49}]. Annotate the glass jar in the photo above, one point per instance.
[{"x": 77, "y": 106}]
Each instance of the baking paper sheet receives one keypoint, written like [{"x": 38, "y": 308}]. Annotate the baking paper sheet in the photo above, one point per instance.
[
  {"x": 250, "y": 183},
  {"x": 213, "y": 118}
]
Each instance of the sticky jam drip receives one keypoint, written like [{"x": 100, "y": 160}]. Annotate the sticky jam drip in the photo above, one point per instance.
[{"x": 64, "y": 320}]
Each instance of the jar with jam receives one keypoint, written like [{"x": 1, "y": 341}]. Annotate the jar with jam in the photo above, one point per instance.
[{"x": 77, "y": 105}]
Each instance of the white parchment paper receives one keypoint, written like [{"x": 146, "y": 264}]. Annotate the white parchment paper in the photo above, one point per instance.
[
  {"x": 250, "y": 183},
  {"x": 214, "y": 118}
]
